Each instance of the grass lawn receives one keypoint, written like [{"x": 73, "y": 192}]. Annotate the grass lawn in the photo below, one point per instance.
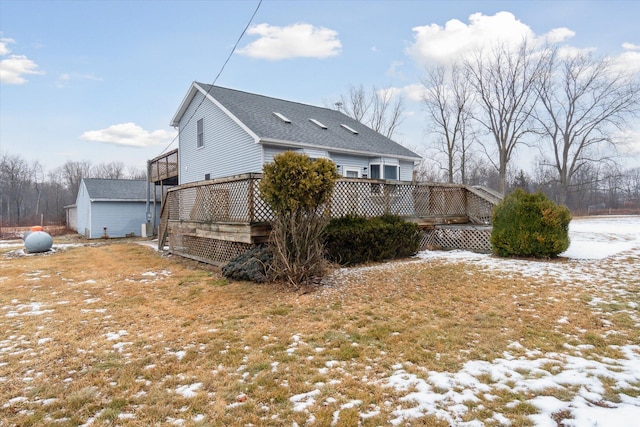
[{"x": 117, "y": 333}]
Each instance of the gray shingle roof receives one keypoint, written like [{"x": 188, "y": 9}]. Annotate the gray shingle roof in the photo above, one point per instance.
[
  {"x": 117, "y": 189},
  {"x": 256, "y": 112}
]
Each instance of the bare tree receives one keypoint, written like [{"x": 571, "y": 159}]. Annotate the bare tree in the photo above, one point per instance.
[
  {"x": 57, "y": 195},
  {"x": 631, "y": 186},
  {"x": 111, "y": 170},
  {"x": 381, "y": 110},
  {"x": 15, "y": 180},
  {"x": 584, "y": 102},
  {"x": 38, "y": 183},
  {"x": 136, "y": 173},
  {"x": 73, "y": 172},
  {"x": 448, "y": 102},
  {"x": 504, "y": 81}
]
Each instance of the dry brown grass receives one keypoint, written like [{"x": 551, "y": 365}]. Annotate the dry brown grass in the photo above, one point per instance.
[{"x": 114, "y": 332}]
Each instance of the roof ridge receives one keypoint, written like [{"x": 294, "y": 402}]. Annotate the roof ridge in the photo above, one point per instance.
[{"x": 271, "y": 97}]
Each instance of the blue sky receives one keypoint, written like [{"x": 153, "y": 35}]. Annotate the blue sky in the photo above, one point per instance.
[{"x": 101, "y": 80}]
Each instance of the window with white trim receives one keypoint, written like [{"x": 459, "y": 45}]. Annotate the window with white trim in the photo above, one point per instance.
[
  {"x": 391, "y": 172},
  {"x": 200, "y": 131},
  {"x": 380, "y": 171},
  {"x": 351, "y": 172},
  {"x": 375, "y": 171}
]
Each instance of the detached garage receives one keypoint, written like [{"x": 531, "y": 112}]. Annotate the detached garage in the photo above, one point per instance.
[{"x": 113, "y": 207}]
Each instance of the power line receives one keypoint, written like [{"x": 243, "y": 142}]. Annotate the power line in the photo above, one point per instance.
[{"x": 235, "y": 46}]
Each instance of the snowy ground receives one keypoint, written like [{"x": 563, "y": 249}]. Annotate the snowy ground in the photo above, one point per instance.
[
  {"x": 597, "y": 246},
  {"x": 604, "y": 253}
]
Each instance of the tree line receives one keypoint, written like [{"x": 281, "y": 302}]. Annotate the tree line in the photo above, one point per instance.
[
  {"x": 499, "y": 102},
  {"x": 30, "y": 195},
  {"x": 569, "y": 106}
]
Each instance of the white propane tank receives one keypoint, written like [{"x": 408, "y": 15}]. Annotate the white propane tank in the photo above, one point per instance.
[{"x": 38, "y": 241}]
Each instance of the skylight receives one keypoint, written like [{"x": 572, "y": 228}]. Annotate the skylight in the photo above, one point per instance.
[
  {"x": 317, "y": 123},
  {"x": 281, "y": 117},
  {"x": 355, "y": 132}
]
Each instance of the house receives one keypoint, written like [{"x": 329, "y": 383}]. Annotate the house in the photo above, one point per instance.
[
  {"x": 112, "y": 208},
  {"x": 225, "y": 132},
  {"x": 226, "y": 136}
]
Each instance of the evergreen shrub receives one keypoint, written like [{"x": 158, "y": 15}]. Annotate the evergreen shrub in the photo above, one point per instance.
[
  {"x": 354, "y": 239},
  {"x": 251, "y": 265},
  {"x": 297, "y": 189},
  {"x": 529, "y": 225}
]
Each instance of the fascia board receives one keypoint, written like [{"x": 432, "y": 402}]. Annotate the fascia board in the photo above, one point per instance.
[{"x": 293, "y": 144}]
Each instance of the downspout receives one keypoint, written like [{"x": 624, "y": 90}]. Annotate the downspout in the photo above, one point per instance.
[{"x": 148, "y": 214}]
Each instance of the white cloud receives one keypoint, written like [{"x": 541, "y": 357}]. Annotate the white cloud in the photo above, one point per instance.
[
  {"x": 64, "y": 78},
  {"x": 414, "y": 92},
  {"x": 4, "y": 46},
  {"x": 442, "y": 44},
  {"x": 558, "y": 35},
  {"x": 14, "y": 67},
  {"x": 129, "y": 134},
  {"x": 293, "y": 41},
  {"x": 395, "y": 70},
  {"x": 631, "y": 145},
  {"x": 630, "y": 46},
  {"x": 629, "y": 61}
]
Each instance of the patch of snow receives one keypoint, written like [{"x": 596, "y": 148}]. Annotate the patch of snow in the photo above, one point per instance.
[
  {"x": 188, "y": 391},
  {"x": 304, "y": 400}
]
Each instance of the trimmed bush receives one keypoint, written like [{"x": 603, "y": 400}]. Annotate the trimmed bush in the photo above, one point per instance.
[
  {"x": 297, "y": 188},
  {"x": 250, "y": 266},
  {"x": 354, "y": 239},
  {"x": 529, "y": 225}
]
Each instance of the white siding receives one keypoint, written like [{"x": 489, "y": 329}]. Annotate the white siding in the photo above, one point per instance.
[
  {"x": 351, "y": 161},
  {"x": 406, "y": 170},
  {"x": 84, "y": 211},
  {"x": 228, "y": 149},
  {"x": 72, "y": 218},
  {"x": 120, "y": 218}
]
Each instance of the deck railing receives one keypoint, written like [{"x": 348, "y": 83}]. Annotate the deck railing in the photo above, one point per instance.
[
  {"x": 214, "y": 221},
  {"x": 237, "y": 200},
  {"x": 164, "y": 167}
]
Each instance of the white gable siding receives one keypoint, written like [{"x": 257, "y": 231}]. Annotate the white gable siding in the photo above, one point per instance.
[
  {"x": 228, "y": 149},
  {"x": 83, "y": 211}
]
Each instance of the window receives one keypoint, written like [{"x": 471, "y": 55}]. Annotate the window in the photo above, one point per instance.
[
  {"x": 282, "y": 117},
  {"x": 317, "y": 123},
  {"x": 200, "y": 143},
  {"x": 378, "y": 171},
  {"x": 391, "y": 172},
  {"x": 350, "y": 129},
  {"x": 375, "y": 172},
  {"x": 350, "y": 172}
]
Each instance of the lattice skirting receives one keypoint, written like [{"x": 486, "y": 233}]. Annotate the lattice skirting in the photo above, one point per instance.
[
  {"x": 211, "y": 251},
  {"x": 440, "y": 237},
  {"x": 466, "y": 237}
]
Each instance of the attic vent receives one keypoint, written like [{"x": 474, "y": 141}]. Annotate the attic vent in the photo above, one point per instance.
[
  {"x": 317, "y": 123},
  {"x": 355, "y": 132},
  {"x": 281, "y": 117}
]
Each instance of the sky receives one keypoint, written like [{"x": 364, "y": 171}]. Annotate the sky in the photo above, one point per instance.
[{"x": 101, "y": 80}]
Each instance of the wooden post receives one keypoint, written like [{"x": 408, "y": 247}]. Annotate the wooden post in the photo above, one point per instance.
[{"x": 250, "y": 198}]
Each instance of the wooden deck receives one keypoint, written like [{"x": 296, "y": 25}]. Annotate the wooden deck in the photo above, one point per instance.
[
  {"x": 164, "y": 169},
  {"x": 214, "y": 221}
]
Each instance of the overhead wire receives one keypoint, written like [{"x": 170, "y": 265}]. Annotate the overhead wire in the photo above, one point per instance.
[{"x": 235, "y": 46}]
